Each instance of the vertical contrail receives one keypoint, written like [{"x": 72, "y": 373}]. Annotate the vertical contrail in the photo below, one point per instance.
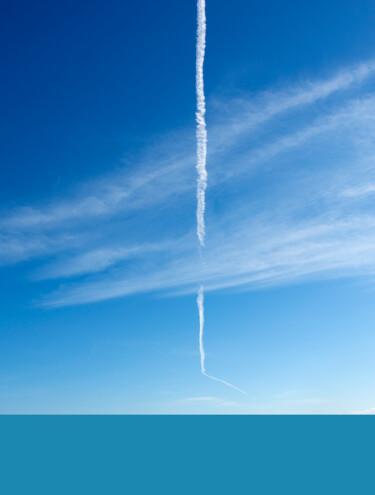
[
  {"x": 200, "y": 302},
  {"x": 201, "y": 167},
  {"x": 201, "y": 123}
]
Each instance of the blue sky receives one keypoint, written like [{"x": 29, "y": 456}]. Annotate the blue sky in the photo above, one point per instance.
[{"x": 99, "y": 259}]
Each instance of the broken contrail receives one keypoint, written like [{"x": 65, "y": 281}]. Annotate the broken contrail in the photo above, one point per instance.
[{"x": 201, "y": 168}]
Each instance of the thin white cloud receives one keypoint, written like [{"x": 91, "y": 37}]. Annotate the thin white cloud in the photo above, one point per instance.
[
  {"x": 311, "y": 219},
  {"x": 245, "y": 114},
  {"x": 251, "y": 259},
  {"x": 369, "y": 411},
  {"x": 97, "y": 260},
  {"x": 364, "y": 190},
  {"x": 162, "y": 175}
]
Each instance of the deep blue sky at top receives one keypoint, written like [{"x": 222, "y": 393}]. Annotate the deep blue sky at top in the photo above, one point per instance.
[
  {"x": 85, "y": 84},
  {"x": 84, "y": 81}
]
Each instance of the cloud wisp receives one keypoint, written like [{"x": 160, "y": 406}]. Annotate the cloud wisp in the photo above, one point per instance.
[
  {"x": 164, "y": 175},
  {"x": 116, "y": 193},
  {"x": 132, "y": 231}
]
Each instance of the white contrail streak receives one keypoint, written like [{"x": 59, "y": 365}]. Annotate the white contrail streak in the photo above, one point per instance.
[
  {"x": 201, "y": 168},
  {"x": 200, "y": 302},
  {"x": 201, "y": 123},
  {"x": 226, "y": 383}
]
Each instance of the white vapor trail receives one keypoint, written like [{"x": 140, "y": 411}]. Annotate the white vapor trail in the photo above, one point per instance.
[
  {"x": 201, "y": 167},
  {"x": 201, "y": 123},
  {"x": 200, "y": 302}
]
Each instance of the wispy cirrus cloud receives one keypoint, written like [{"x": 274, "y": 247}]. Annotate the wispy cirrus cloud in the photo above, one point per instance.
[
  {"x": 287, "y": 256},
  {"x": 97, "y": 260},
  {"x": 108, "y": 195},
  {"x": 369, "y": 411},
  {"x": 133, "y": 231}
]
